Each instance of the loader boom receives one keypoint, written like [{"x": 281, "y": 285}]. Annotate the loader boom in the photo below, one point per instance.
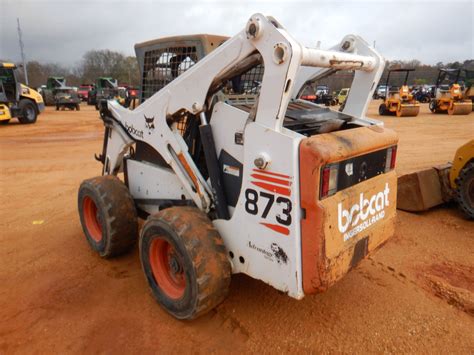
[{"x": 282, "y": 57}]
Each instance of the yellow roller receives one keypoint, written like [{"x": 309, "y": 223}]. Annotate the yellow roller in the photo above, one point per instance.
[
  {"x": 408, "y": 110},
  {"x": 460, "y": 108}
]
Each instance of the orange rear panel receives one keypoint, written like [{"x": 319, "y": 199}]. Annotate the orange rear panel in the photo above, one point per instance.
[{"x": 327, "y": 253}]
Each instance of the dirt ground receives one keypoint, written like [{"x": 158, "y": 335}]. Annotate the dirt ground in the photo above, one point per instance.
[{"x": 416, "y": 294}]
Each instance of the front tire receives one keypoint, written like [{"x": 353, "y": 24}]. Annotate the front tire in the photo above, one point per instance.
[
  {"x": 28, "y": 112},
  {"x": 108, "y": 215},
  {"x": 185, "y": 261},
  {"x": 464, "y": 193}
]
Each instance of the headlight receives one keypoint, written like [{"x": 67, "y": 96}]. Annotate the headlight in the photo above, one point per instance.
[{"x": 25, "y": 91}]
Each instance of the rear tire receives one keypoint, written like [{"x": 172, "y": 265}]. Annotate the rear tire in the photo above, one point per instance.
[
  {"x": 4, "y": 122},
  {"x": 78, "y": 107},
  {"x": 108, "y": 215},
  {"x": 185, "y": 261},
  {"x": 432, "y": 106},
  {"x": 464, "y": 193},
  {"x": 28, "y": 112},
  {"x": 382, "y": 109}
]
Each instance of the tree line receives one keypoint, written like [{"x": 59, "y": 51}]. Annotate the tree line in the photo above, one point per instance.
[{"x": 96, "y": 63}]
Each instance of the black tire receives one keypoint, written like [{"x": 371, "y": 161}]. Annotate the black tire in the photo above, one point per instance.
[
  {"x": 28, "y": 112},
  {"x": 382, "y": 110},
  {"x": 57, "y": 107},
  {"x": 78, "y": 107},
  {"x": 432, "y": 106},
  {"x": 4, "y": 122},
  {"x": 97, "y": 107},
  {"x": 464, "y": 193},
  {"x": 108, "y": 215},
  {"x": 342, "y": 107},
  {"x": 185, "y": 261}
]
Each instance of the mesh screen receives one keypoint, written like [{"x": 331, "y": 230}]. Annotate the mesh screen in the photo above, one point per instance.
[
  {"x": 163, "y": 65},
  {"x": 248, "y": 82}
]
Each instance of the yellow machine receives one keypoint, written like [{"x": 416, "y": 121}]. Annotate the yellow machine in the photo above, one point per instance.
[
  {"x": 450, "y": 97},
  {"x": 399, "y": 101},
  {"x": 430, "y": 187},
  {"x": 342, "y": 95},
  {"x": 17, "y": 100}
]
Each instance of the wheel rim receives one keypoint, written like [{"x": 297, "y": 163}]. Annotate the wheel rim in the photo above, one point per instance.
[
  {"x": 30, "y": 113},
  {"x": 167, "y": 268},
  {"x": 92, "y": 219}
]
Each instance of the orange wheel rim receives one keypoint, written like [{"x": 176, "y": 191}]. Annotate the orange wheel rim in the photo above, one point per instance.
[
  {"x": 91, "y": 219},
  {"x": 167, "y": 268}
]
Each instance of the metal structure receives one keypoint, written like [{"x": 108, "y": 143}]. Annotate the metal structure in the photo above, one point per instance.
[
  {"x": 17, "y": 100},
  {"x": 427, "y": 188},
  {"x": 449, "y": 97},
  {"x": 398, "y": 100},
  {"x": 22, "y": 51},
  {"x": 280, "y": 189}
]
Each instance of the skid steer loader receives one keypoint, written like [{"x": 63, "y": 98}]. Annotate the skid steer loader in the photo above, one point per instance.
[
  {"x": 399, "y": 101},
  {"x": 449, "y": 97},
  {"x": 427, "y": 188},
  {"x": 237, "y": 175}
]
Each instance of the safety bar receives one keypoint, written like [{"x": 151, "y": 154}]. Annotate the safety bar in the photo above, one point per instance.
[{"x": 336, "y": 60}]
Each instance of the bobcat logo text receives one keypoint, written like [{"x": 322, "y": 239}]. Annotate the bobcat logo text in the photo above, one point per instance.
[{"x": 363, "y": 214}]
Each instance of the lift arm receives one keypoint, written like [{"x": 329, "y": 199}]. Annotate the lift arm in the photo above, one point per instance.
[{"x": 282, "y": 57}]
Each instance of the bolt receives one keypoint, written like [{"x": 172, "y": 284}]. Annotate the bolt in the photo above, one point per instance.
[
  {"x": 252, "y": 30},
  {"x": 346, "y": 45},
  {"x": 174, "y": 265}
]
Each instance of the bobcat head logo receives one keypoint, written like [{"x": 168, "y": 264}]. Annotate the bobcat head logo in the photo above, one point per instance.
[{"x": 149, "y": 122}]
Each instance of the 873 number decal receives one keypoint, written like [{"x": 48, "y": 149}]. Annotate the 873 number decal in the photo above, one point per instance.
[{"x": 251, "y": 205}]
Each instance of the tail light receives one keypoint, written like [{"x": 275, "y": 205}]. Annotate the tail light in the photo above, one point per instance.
[
  {"x": 347, "y": 173},
  {"x": 329, "y": 180},
  {"x": 133, "y": 93},
  {"x": 391, "y": 158}
]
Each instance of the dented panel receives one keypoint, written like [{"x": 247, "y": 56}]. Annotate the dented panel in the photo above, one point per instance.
[{"x": 340, "y": 230}]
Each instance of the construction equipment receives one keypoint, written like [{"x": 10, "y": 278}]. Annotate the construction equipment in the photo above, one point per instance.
[
  {"x": 468, "y": 92},
  {"x": 83, "y": 91},
  {"x": 424, "y": 189},
  {"x": 342, "y": 95},
  {"x": 48, "y": 93},
  {"x": 449, "y": 95},
  {"x": 67, "y": 97},
  {"x": 399, "y": 101},
  {"x": 16, "y": 99},
  {"x": 278, "y": 188},
  {"x": 106, "y": 88}
]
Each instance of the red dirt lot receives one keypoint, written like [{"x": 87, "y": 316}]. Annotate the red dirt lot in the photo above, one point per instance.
[{"x": 415, "y": 294}]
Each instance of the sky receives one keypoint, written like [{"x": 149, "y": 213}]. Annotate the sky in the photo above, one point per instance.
[{"x": 61, "y": 31}]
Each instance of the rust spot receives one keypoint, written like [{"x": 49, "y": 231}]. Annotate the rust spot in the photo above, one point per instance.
[
  {"x": 190, "y": 172},
  {"x": 346, "y": 62}
]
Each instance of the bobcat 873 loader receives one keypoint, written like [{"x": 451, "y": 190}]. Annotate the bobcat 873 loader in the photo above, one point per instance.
[{"x": 280, "y": 189}]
